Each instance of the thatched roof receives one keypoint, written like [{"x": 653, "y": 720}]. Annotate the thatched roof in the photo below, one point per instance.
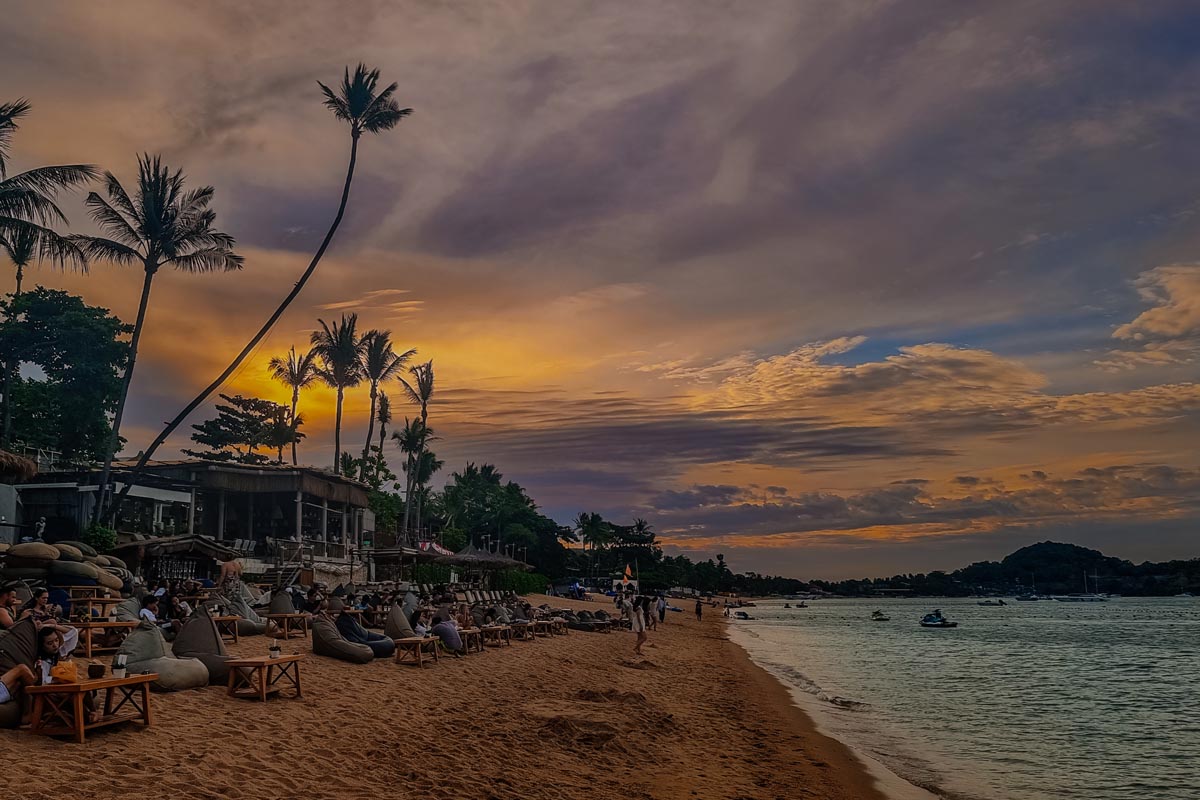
[
  {"x": 472, "y": 556},
  {"x": 15, "y": 468},
  {"x": 169, "y": 545}
]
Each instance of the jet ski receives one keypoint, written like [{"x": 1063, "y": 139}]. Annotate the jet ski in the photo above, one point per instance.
[
  {"x": 741, "y": 615},
  {"x": 936, "y": 620},
  {"x": 879, "y": 616}
]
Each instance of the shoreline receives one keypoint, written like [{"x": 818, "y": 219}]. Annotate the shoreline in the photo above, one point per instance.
[{"x": 574, "y": 716}]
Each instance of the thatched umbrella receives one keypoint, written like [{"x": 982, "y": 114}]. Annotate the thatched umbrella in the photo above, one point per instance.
[{"x": 14, "y": 468}]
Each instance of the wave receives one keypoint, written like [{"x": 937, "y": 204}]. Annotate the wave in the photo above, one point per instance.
[{"x": 807, "y": 685}]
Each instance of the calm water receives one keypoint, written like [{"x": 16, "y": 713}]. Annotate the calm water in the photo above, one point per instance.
[{"x": 1033, "y": 700}]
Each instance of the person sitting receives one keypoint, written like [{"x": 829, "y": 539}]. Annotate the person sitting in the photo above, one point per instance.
[
  {"x": 313, "y": 601},
  {"x": 149, "y": 613},
  {"x": 38, "y": 607},
  {"x": 420, "y": 622},
  {"x": 13, "y": 681},
  {"x": 9, "y": 603},
  {"x": 463, "y": 618},
  {"x": 448, "y": 633}
]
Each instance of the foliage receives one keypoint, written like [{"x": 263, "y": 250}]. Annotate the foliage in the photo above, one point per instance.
[
  {"x": 512, "y": 580},
  {"x": 243, "y": 426},
  {"x": 79, "y": 351},
  {"x": 102, "y": 538}
]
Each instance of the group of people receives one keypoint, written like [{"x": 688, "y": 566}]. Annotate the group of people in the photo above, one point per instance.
[
  {"x": 643, "y": 612},
  {"x": 55, "y": 640}
]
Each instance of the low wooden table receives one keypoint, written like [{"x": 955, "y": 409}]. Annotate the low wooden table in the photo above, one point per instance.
[
  {"x": 543, "y": 627},
  {"x": 522, "y": 631},
  {"x": 497, "y": 635},
  {"x": 227, "y": 627},
  {"x": 261, "y": 676},
  {"x": 82, "y": 592},
  {"x": 413, "y": 650},
  {"x": 559, "y": 627},
  {"x": 86, "y": 629},
  {"x": 82, "y": 607},
  {"x": 58, "y": 708},
  {"x": 290, "y": 624},
  {"x": 472, "y": 637}
]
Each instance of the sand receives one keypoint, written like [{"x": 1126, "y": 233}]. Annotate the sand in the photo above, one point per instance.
[{"x": 573, "y": 717}]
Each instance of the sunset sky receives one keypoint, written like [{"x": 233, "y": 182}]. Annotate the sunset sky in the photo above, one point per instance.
[{"x": 835, "y": 289}]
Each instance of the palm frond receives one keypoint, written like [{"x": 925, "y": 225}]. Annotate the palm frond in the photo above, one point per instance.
[
  {"x": 208, "y": 259},
  {"x": 97, "y": 248},
  {"x": 9, "y": 114},
  {"x": 118, "y": 195},
  {"x": 29, "y": 205},
  {"x": 51, "y": 180},
  {"x": 111, "y": 220}
]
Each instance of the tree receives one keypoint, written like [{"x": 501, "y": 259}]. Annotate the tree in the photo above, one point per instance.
[
  {"x": 419, "y": 392},
  {"x": 243, "y": 426},
  {"x": 367, "y": 111},
  {"x": 339, "y": 350},
  {"x": 80, "y": 353},
  {"x": 297, "y": 371},
  {"x": 162, "y": 224},
  {"x": 27, "y": 209},
  {"x": 380, "y": 363}
]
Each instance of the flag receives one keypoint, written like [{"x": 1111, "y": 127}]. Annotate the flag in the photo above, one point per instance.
[{"x": 628, "y": 575}]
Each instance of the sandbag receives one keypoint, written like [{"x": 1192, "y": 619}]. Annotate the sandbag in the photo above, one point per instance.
[
  {"x": 34, "y": 550},
  {"x": 109, "y": 581},
  {"x": 327, "y": 641},
  {"x": 397, "y": 625},
  {"x": 74, "y": 569},
  {"x": 200, "y": 639},
  {"x": 86, "y": 549},
  {"x": 24, "y": 574},
  {"x": 352, "y": 631},
  {"x": 24, "y": 562},
  {"x": 68, "y": 553},
  {"x": 101, "y": 561},
  {"x": 146, "y": 651},
  {"x": 4, "y": 547},
  {"x": 113, "y": 561},
  {"x": 128, "y": 610},
  {"x": 93, "y": 560},
  {"x": 281, "y": 603}
]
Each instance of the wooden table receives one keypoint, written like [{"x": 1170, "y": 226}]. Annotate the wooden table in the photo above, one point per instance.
[
  {"x": 522, "y": 631},
  {"x": 290, "y": 624},
  {"x": 261, "y": 676},
  {"x": 83, "y": 607},
  {"x": 559, "y": 626},
  {"x": 498, "y": 635},
  {"x": 472, "y": 637},
  {"x": 82, "y": 592},
  {"x": 58, "y": 708},
  {"x": 227, "y": 626},
  {"x": 543, "y": 627},
  {"x": 413, "y": 649},
  {"x": 86, "y": 629}
]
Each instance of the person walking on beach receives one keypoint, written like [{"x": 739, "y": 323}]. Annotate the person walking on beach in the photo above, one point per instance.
[
  {"x": 699, "y": 610},
  {"x": 637, "y": 622},
  {"x": 661, "y": 607}
]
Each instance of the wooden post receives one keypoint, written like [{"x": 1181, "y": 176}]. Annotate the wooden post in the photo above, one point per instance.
[
  {"x": 299, "y": 515},
  {"x": 221, "y": 515}
]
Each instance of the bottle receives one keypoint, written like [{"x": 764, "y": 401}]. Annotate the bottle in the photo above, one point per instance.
[
  {"x": 118, "y": 665},
  {"x": 274, "y": 650}
]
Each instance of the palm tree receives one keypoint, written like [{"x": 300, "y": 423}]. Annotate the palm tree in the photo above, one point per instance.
[
  {"x": 297, "y": 371},
  {"x": 340, "y": 349},
  {"x": 419, "y": 392},
  {"x": 161, "y": 225},
  {"x": 412, "y": 440},
  {"x": 27, "y": 209},
  {"x": 367, "y": 110},
  {"x": 383, "y": 415},
  {"x": 380, "y": 363}
]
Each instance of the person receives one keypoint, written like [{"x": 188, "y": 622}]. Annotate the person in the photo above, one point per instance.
[
  {"x": 463, "y": 617},
  {"x": 649, "y": 613},
  {"x": 38, "y": 607},
  {"x": 420, "y": 622},
  {"x": 8, "y": 605},
  {"x": 231, "y": 572},
  {"x": 56, "y": 642},
  {"x": 445, "y": 630},
  {"x": 661, "y": 607},
  {"x": 312, "y": 603},
  {"x": 699, "y": 610},
  {"x": 149, "y": 613},
  {"x": 14, "y": 681},
  {"x": 637, "y": 621},
  {"x": 180, "y": 608}
]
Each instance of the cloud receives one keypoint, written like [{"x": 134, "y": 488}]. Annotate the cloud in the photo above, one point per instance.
[{"x": 1167, "y": 333}]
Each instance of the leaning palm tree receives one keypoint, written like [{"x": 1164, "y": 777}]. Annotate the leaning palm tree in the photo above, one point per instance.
[
  {"x": 162, "y": 224},
  {"x": 297, "y": 371},
  {"x": 380, "y": 363},
  {"x": 340, "y": 350},
  {"x": 359, "y": 103},
  {"x": 419, "y": 391}
]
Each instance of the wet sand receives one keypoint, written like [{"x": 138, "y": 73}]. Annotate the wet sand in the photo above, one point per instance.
[{"x": 560, "y": 718}]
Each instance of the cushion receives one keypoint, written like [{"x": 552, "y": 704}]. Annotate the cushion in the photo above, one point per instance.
[
  {"x": 147, "y": 651},
  {"x": 327, "y": 641},
  {"x": 18, "y": 645},
  {"x": 281, "y": 603},
  {"x": 200, "y": 639},
  {"x": 68, "y": 553},
  {"x": 397, "y": 625},
  {"x": 352, "y": 631},
  {"x": 34, "y": 550}
]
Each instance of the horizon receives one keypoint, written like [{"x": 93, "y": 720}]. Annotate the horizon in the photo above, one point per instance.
[{"x": 836, "y": 292}]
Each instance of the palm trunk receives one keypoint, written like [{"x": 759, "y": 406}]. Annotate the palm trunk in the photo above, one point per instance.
[
  {"x": 362, "y": 473},
  {"x": 115, "y": 437},
  {"x": 295, "y": 402},
  {"x": 10, "y": 369},
  {"x": 287, "y": 301},
  {"x": 337, "y": 436}
]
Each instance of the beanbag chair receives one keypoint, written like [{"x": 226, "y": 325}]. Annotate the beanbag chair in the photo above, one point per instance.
[
  {"x": 113, "y": 561},
  {"x": 281, "y": 603},
  {"x": 200, "y": 639},
  {"x": 70, "y": 570},
  {"x": 68, "y": 553},
  {"x": 18, "y": 645},
  {"x": 128, "y": 610},
  {"x": 86, "y": 549},
  {"x": 36, "y": 551},
  {"x": 397, "y": 625},
  {"x": 352, "y": 631},
  {"x": 146, "y": 651},
  {"x": 327, "y": 641},
  {"x": 250, "y": 624}
]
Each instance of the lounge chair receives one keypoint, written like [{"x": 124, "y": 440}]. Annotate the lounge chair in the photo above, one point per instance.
[
  {"x": 328, "y": 641},
  {"x": 200, "y": 639}
]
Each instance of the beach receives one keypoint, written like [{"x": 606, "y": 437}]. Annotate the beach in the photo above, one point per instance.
[{"x": 567, "y": 717}]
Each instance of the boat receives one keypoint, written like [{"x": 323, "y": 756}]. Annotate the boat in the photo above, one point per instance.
[
  {"x": 936, "y": 620},
  {"x": 802, "y": 604},
  {"x": 1185, "y": 594},
  {"x": 741, "y": 615},
  {"x": 879, "y": 616},
  {"x": 991, "y": 603},
  {"x": 1086, "y": 597},
  {"x": 1027, "y": 598},
  {"x": 787, "y": 605}
]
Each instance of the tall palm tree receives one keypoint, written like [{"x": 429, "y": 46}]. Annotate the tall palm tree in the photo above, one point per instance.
[
  {"x": 383, "y": 415},
  {"x": 162, "y": 224},
  {"x": 419, "y": 391},
  {"x": 380, "y": 363},
  {"x": 412, "y": 440},
  {"x": 340, "y": 350},
  {"x": 359, "y": 103},
  {"x": 297, "y": 371}
]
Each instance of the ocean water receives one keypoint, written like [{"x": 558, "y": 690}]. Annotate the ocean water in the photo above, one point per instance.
[{"x": 1032, "y": 701}]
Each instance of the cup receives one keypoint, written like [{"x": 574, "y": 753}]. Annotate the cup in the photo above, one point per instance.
[
  {"x": 95, "y": 671},
  {"x": 118, "y": 672}
]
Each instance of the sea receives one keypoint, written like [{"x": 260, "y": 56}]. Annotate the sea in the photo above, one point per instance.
[{"x": 1035, "y": 700}]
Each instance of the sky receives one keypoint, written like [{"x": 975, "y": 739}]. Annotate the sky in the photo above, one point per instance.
[{"x": 834, "y": 289}]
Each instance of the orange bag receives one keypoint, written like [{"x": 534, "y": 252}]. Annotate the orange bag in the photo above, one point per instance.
[{"x": 64, "y": 672}]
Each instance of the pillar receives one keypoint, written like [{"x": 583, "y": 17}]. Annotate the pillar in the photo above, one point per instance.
[
  {"x": 299, "y": 516},
  {"x": 250, "y": 515},
  {"x": 324, "y": 520},
  {"x": 221, "y": 515}
]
